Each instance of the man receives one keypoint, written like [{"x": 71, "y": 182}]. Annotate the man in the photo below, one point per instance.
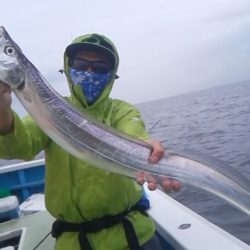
[{"x": 95, "y": 209}]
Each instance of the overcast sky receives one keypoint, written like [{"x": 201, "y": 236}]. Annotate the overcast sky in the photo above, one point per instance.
[{"x": 166, "y": 47}]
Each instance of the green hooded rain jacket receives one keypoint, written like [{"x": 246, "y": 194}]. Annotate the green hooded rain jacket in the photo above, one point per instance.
[{"x": 75, "y": 191}]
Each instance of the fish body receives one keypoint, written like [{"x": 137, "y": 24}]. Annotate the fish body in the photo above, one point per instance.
[{"x": 100, "y": 145}]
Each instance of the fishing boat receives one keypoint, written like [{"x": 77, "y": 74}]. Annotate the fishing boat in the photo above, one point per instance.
[{"x": 25, "y": 224}]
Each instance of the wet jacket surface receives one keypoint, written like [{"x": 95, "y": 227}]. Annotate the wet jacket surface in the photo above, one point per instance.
[{"x": 74, "y": 190}]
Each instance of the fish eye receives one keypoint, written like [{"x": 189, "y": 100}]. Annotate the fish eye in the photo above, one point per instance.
[{"x": 9, "y": 51}]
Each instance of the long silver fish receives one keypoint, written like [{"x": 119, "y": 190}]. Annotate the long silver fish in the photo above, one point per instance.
[{"x": 102, "y": 146}]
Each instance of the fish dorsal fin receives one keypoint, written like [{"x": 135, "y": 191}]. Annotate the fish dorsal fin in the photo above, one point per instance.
[{"x": 218, "y": 165}]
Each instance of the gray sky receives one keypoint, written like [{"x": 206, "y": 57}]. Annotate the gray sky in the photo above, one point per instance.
[{"x": 166, "y": 47}]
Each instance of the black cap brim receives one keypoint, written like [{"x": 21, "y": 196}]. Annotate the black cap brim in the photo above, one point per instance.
[{"x": 73, "y": 48}]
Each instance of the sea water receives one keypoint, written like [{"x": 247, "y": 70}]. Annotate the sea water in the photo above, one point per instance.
[{"x": 214, "y": 122}]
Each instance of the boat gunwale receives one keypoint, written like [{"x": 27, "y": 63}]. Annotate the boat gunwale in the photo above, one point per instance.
[{"x": 21, "y": 166}]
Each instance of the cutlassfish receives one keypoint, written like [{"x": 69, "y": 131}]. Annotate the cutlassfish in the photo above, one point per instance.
[{"x": 102, "y": 146}]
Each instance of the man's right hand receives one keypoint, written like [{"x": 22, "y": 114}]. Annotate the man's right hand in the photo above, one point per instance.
[
  {"x": 5, "y": 96},
  {"x": 6, "y": 117}
]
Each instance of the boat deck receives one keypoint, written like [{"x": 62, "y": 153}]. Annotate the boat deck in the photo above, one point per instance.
[
  {"x": 184, "y": 229},
  {"x": 30, "y": 231}
]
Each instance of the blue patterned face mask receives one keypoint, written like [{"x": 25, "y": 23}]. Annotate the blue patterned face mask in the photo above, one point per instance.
[{"x": 92, "y": 83}]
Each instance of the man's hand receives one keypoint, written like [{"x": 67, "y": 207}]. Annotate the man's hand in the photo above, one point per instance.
[
  {"x": 155, "y": 156},
  {"x": 6, "y": 117},
  {"x": 5, "y": 96}
]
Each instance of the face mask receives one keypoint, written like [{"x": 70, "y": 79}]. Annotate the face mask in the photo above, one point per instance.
[{"x": 92, "y": 83}]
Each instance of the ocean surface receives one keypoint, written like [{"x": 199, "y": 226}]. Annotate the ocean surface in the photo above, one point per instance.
[{"x": 216, "y": 123}]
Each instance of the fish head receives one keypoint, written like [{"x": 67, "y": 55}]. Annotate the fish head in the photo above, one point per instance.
[{"x": 11, "y": 71}]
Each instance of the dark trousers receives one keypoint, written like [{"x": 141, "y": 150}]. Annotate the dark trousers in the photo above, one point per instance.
[{"x": 153, "y": 244}]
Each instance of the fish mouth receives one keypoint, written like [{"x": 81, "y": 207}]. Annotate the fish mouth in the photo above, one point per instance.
[
  {"x": 13, "y": 76},
  {"x": 11, "y": 72}
]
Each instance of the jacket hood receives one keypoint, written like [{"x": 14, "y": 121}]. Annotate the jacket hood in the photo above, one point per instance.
[{"x": 77, "y": 96}]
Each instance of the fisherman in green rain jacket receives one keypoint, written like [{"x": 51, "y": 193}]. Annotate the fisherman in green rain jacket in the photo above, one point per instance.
[{"x": 102, "y": 210}]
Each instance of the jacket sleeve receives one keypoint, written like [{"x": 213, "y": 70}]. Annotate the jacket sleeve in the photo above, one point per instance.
[
  {"x": 127, "y": 118},
  {"x": 26, "y": 141}
]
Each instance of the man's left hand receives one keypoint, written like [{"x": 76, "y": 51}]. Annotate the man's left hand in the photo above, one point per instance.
[{"x": 155, "y": 156}]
